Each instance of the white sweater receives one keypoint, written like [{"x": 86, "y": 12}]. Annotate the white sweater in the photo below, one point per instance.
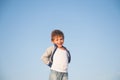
[{"x": 60, "y": 61}]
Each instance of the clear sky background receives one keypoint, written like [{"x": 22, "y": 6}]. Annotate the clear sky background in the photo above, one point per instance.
[{"x": 92, "y": 34}]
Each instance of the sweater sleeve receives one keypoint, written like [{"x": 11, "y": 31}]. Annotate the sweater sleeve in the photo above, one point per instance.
[{"x": 46, "y": 55}]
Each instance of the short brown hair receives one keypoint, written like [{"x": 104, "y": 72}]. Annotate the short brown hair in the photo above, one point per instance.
[{"x": 56, "y": 33}]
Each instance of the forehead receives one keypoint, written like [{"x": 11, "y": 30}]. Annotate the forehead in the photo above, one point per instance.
[{"x": 58, "y": 37}]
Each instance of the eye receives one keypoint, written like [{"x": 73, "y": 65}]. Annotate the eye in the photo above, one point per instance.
[
  {"x": 56, "y": 39},
  {"x": 61, "y": 39}
]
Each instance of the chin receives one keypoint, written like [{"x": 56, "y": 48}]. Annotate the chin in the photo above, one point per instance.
[{"x": 59, "y": 46}]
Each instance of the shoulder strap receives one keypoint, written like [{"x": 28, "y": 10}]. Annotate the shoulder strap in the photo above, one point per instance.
[
  {"x": 53, "y": 52},
  {"x": 69, "y": 56}
]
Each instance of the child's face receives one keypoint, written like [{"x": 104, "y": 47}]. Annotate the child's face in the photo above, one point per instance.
[{"x": 58, "y": 40}]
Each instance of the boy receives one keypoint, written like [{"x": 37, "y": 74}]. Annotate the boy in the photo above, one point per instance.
[{"x": 57, "y": 57}]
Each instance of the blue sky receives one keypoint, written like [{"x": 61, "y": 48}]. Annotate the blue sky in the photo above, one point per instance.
[{"x": 92, "y": 34}]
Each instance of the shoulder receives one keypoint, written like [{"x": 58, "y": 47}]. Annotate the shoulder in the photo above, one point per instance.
[
  {"x": 50, "y": 48},
  {"x": 65, "y": 48}
]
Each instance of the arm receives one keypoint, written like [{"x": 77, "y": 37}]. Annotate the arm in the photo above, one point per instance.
[{"x": 46, "y": 56}]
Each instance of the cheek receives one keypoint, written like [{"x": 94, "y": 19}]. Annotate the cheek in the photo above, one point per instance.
[
  {"x": 62, "y": 41},
  {"x": 55, "y": 42}
]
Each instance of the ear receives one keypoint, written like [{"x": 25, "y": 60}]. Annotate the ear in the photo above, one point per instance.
[{"x": 52, "y": 42}]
